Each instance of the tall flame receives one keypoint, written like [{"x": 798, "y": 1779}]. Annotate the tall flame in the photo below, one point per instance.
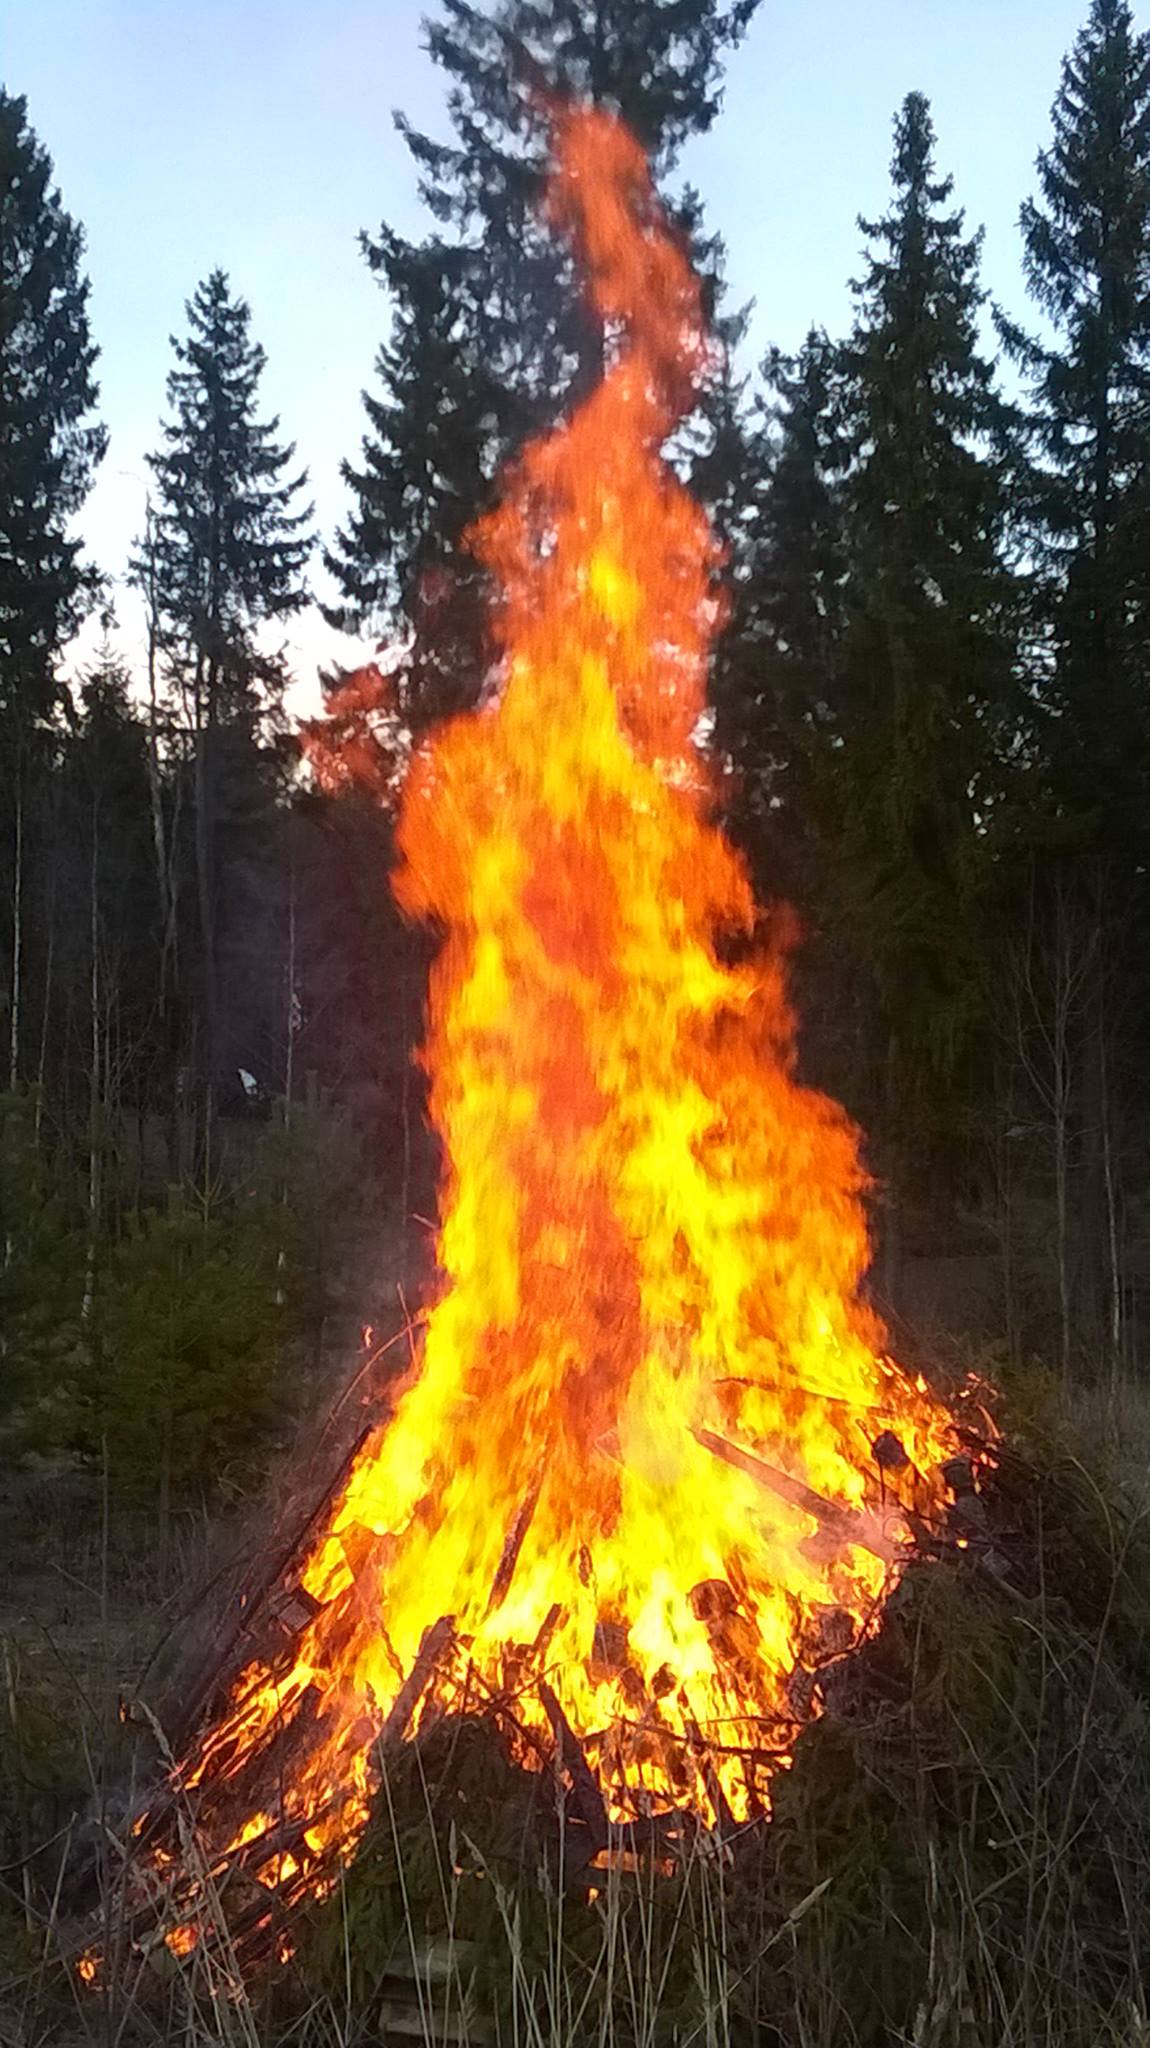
[{"x": 652, "y": 1236}]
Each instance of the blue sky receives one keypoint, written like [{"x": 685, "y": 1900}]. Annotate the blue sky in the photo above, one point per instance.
[{"x": 260, "y": 137}]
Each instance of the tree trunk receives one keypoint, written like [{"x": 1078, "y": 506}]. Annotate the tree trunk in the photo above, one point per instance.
[
  {"x": 166, "y": 885},
  {"x": 289, "y": 1070},
  {"x": 1094, "y": 1198},
  {"x": 46, "y": 1012},
  {"x": 1115, "y": 1318},
  {"x": 17, "y": 928},
  {"x": 95, "y": 1073},
  {"x": 204, "y": 764},
  {"x": 1060, "y": 1103}
]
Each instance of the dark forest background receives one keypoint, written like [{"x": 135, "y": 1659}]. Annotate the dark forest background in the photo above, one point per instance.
[{"x": 932, "y": 731}]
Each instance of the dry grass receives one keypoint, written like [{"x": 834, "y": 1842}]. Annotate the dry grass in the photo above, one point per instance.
[{"x": 960, "y": 1857}]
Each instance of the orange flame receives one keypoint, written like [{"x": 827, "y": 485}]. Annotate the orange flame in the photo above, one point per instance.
[{"x": 652, "y": 1236}]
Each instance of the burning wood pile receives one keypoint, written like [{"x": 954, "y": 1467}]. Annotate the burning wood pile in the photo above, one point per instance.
[{"x": 651, "y": 1468}]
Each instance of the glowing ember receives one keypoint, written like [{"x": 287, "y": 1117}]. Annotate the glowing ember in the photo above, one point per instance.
[{"x": 651, "y": 1460}]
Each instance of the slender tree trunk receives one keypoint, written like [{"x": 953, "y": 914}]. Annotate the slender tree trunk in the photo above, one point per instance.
[
  {"x": 1093, "y": 1201},
  {"x": 405, "y": 1113},
  {"x": 164, "y": 1495},
  {"x": 1004, "y": 1102},
  {"x": 291, "y": 1019},
  {"x": 9, "y": 1245},
  {"x": 165, "y": 867},
  {"x": 46, "y": 1013},
  {"x": 1114, "y": 1301},
  {"x": 1103, "y": 639},
  {"x": 892, "y": 1174},
  {"x": 289, "y": 1069},
  {"x": 95, "y": 1073},
  {"x": 205, "y": 882},
  {"x": 17, "y": 929},
  {"x": 1060, "y": 1097},
  {"x": 167, "y": 880}
]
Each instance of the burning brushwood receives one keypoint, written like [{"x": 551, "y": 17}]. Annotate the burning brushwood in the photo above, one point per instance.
[{"x": 641, "y": 1200}]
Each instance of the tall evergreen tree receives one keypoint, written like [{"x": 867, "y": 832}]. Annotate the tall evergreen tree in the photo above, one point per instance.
[
  {"x": 225, "y": 554},
  {"x": 1087, "y": 253},
  {"x": 230, "y": 541},
  {"x": 491, "y": 336},
  {"x": 789, "y": 597},
  {"x": 49, "y": 448},
  {"x": 425, "y": 467},
  {"x": 1087, "y": 519},
  {"x": 803, "y": 556},
  {"x": 49, "y": 445},
  {"x": 924, "y": 669}
]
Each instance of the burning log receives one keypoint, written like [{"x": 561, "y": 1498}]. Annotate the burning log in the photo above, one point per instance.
[
  {"x": 292, "y": 1610},
  {"x": 550, "y": 1623},
  {"x": 844, "y": 1525},
  {"x": 435, "y": 1641},
  {"x": 585, "y": 1792},
  {"x": 514, "y": 1544},
  {"x": 523, "y": 1662},
  {"x": 264, "y": 1595}
]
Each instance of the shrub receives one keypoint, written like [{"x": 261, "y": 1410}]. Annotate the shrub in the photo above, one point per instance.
[{"x": 184, "y": 1386}]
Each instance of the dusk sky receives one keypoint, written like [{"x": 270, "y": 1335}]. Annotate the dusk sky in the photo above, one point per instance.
[{"x": 260, "y": 137}]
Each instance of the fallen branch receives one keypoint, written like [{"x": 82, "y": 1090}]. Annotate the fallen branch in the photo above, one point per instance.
[
  {"x": 845, "y": 1525},
  {"x": 249, "y": 1604},
  {"x": 435, "y": 1641},
  {"x": 513, "y": 1543},
  {"x": 585, "y": 1792},
  {"x": 724, "y": 1818}
]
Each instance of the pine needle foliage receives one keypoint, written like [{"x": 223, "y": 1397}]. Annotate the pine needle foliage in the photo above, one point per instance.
[{"x": 49, "y": 444}]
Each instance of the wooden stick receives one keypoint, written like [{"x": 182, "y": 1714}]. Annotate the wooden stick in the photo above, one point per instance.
[
  {"x": 724, "y": 1818},
  {"x": 435, "y": 1641},
  {"x": 587, "y": 1796},
  {"x": 844, "y": 1523},
  {"x": 547, "y": 1628},
  {"x": 249, "y": 1603},
  {"x": 513, "y": 1543}
]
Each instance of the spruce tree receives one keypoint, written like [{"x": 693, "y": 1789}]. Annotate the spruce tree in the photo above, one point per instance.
[
  {"x": 801, "y": 538},
  {"x": 108, "y": 904},
  {"x": 225, "y": 555},
  {"x": 426, "y": 462},
  {"x": 790, "y": 607},
  {"x": 1087, "y": 505},
  {"x": 923, "y": 696},
  {"x": 230, "y": 542},
  {"x": 49, "y": 448},
  {"x": 49, "y": 445},
  {"x": 1086, "y": 518},
  {"x": 491, "y": 337}
]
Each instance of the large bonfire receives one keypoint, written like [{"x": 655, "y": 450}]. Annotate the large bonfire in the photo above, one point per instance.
[{"x": 652, "y": 1464}]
